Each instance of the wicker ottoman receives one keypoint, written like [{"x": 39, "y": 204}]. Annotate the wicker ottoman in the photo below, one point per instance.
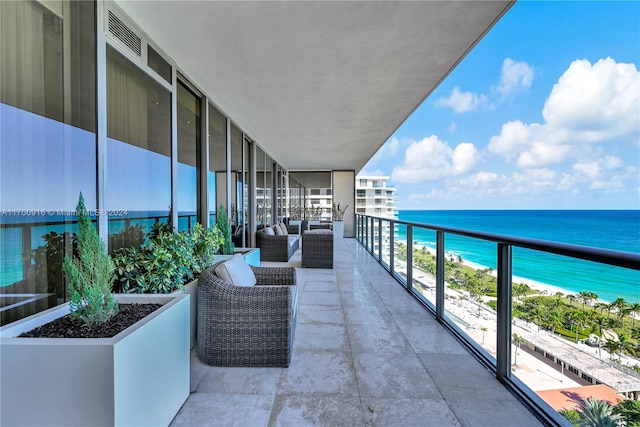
[{"x": 317, "y": 248}]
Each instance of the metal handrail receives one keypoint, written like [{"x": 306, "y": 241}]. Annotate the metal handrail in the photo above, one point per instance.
[{"x": 605, "y": 256}]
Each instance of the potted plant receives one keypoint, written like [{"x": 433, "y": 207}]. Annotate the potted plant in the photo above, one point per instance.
[
  {"x": 206, "y": 244},
  {"x": 139, "y": 376},
  {"x": 227, "y": 248},
  {"x": 338, "y": 220},
  {"x": 295, "y": 219},
  {"x": 222, "y": 221},
  {"x": 170, "y": 261}
]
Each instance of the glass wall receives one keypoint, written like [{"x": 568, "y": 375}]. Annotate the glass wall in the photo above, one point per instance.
[
  {"x": 47, "y": 146},
  {"x": 217, "y": 181},
  {"x": 138, "y": 150},
  {"x": 188, "y": 156},
  {"x": 260, "y": 187},
  {"x": 268, "y": 191},
  {"x": 48, "y": 150},
  {"x": 237, "y": 177}
]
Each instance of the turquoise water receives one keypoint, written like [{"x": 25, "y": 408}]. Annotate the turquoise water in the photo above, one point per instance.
[{"x": 617, "y": 230}]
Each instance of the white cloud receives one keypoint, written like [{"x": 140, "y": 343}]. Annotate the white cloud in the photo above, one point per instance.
[
  {"x": 462, "y": 102},
  {"x": 541, "y": 154},
  {"x": 431, "y": 159},
  {"x": 514, "y": 76},
  {"x": 589, "y": 104},
  {"x": 596, "y": 102},
  {"x": 612, "y": 162},
  {"x": 591, "y": 169},
  {"x": 464, "y": 158}
]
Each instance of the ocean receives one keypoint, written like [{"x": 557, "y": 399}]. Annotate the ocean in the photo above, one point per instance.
[
  {"x": 609, "y": 229},
  {"x": 618, "y": 230}
]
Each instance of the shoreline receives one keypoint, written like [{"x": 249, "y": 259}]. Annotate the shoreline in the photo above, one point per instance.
[{"x": 540, "y": 287}]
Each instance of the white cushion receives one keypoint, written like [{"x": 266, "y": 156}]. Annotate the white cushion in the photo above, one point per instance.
[
  {"x": 235, "y": 270},
  {"x": 283, "y": 227},
  {"x": 269, "y": 231},
  {"x": 277, "y": 230}
]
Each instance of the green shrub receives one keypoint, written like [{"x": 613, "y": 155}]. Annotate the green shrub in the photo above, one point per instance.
[
  {"x": 206, "y": 244},
  {"x": 131, "y": 236},
  {"x": 161, "y": 265},
  {"x": 46, "y": 273},
  {"x": 90, "y": 274},
  {"x": 223, "y": 225}
]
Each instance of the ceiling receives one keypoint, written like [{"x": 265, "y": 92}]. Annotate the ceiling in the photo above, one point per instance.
[{"x": 318, "y": 84}]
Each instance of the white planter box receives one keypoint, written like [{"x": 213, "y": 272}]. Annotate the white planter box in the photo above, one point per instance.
[
  {"x": 338, "y": 229},
  {"x": 191, "y": 289},
  {"x": 139, "y": 377}
]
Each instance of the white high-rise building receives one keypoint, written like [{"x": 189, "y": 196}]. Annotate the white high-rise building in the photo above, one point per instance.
[{"x": 375, "y": 198}]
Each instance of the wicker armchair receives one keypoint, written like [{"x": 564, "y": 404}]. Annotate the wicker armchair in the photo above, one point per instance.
[
  {"x": 317, "y": 248},
  {"x": 247, "y": 326}
]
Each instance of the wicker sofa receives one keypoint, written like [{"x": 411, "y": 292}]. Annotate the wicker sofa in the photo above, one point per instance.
[
  {"x": 276, "y": 247},
  {"x": 247, "y": 326}
]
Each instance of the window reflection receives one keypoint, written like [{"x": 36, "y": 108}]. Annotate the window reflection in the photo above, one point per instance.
[
  {"x": 47, "y": 146},
  {"x": 188, "y": 156},
  {"x": 138, "y": 147},
  {"x": 217, "y": 162}
]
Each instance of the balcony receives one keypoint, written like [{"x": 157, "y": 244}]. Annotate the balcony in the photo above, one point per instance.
[{"x": 365, "y": 353}]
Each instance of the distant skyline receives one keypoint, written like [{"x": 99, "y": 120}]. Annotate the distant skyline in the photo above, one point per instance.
[{"x": 544, "y": 113}]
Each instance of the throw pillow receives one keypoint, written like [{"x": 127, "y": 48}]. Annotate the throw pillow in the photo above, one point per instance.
[
  {"x": 277, "y": 230},
  {"x": 235, "y": 270},
  {"x": 283, "y": 227},
  {"x": 269, "y": 231}
]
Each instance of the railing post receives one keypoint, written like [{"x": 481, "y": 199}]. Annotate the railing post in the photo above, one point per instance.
[
  {"x": 380, "y": 240},
  {"x": 26, "y": 250},
  {"x": 440, "y": 274},
  {"x": 392, "y": 245},
  {"x": 371, "y": 233},
  {"x": 409, "y": 257},
  {"x": 503, "y": 349}
]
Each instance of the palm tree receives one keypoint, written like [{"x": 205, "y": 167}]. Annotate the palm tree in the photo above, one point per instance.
[
  {"x": 634, "y": 309},
  {"x": 597, "y": 413},
  {"x": 626, "y": 346},
  {"x": 572, "y": 297},
  {"x": 593, "y": 297},
  {"x": 612, "y": 347},
  {"x": 537, "y": 315},
  {"x": 602, "y": 306},
  {"x": 619, "y": 304},
  {"x": 517, "y": 340},
  {"x": 555, "y": 319},
  {"x": 583, "y": 296},
  {"x": 578, "y": 318},
  {"x": 600, "y": 323}
]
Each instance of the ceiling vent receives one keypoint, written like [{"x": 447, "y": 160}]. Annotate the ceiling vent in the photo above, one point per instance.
[{"x": 125, "y": 35}]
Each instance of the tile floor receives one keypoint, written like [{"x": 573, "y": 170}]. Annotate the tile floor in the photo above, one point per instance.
[{"x": 365, "y": 353}]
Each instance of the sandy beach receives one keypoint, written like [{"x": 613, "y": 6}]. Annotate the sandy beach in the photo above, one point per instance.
[{"x": 540, "y": 287}]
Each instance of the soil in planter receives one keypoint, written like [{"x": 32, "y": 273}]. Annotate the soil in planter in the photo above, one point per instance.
[{"x": 66, "y": 327}]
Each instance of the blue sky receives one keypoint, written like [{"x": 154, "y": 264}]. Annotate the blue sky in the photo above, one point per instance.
[{"x": 543, "y": 114}]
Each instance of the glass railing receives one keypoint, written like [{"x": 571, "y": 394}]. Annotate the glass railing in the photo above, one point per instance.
[
  {"x": 33, "y": 248},
  {"x": 525, "y": 327}
]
